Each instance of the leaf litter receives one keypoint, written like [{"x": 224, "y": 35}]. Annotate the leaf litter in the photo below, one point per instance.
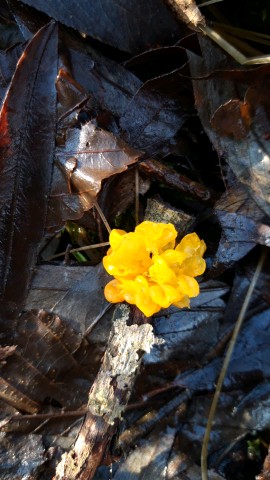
[{"x": 113, "y": 118}]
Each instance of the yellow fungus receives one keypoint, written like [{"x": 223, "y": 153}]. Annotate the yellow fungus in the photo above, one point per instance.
[{"x": 150, "y": 271}]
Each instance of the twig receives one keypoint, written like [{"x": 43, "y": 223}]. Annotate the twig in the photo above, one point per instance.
[
  {"x": 80, "y": 249},
  {"x": 137, "y": 199},
  {"x": 108, "y": 397},
  {"x": 173, "y": 179},
  {"x": 226, "y": 363},
  {"x": 102, "y": 216}
]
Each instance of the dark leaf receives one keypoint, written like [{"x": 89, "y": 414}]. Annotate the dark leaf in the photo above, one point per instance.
[
  {"x": 21, "y": 456},
  {"x": 156, "y": 113},
  {"x": 8, "y": 61},
  {"x": 188, "y": 335},
  {"x": 232, "y": 119},
  {"x": 150, "y": 114},
  {"x": 27, "y": 136},
  {"x": 27, "y": 19},
  {"x": 90, "y": 155},
  {"x": 43, "y": 358},
  {"x": 255, "y": 407},
  {"x": 142, "y": 25},
  {"x": 224, "y": 432},
  {"x": 48, "y": 343},
  {"x": 249, "y": 364},
  {"x": 69, "y": 93},
  {"x": 10, "y": 34},
  {"x": 111, "y": 85},
  {"x": 236, "y": 117},
  {"x": 243, "y": 226},
  {"x": 71, "y": 292},
  {"x": 249, "y": 156}
]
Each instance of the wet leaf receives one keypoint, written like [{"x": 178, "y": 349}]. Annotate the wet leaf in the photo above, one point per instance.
[
  {"x": 190, "y": 334},
  {"x": 44, "y": 356},
  {"x": 255, "y": 407},
  {"x": 90, "y": 155},
  {"x": 48, "y": 342},
  {"x": 249, "y": 364},
  {"x": 28, "y": 20},
  {"x": 232, "y": 119},
  {"x": 141, "y": 25},
  {"x": 110, "y": 84},
  {"x": 248, "y": 157},
  {"x": 150, "y": 114},
  {"x": 243, "y": 223},
  {"x": 70, "y": 292},
  {"x": 27, "y": 132},
  {"x": 8, "y": 61},
  {"x": 10, "y": 34},
  {"x": 22, "y": 456},
  {"x": 223, "y": 434},
  {"x": 69, "y": 93},
  {"x": 156, "y": 113}
]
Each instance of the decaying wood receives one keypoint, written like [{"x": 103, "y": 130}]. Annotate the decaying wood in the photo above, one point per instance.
[
  {"x": 129, "y": 339},
  {"x": 155, "y": 169},
  {"x": 187, "y": 12}
]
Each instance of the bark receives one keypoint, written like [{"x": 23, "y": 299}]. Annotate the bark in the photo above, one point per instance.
[
  {"x": 130, "y": 337},
  {"x": 187, "y": 11}
]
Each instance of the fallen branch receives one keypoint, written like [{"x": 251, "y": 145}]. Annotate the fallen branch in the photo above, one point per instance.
[{"x": 130, "y": 337}]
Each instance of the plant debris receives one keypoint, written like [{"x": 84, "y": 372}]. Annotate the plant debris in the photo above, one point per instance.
[{"x": 104, "y": 129}]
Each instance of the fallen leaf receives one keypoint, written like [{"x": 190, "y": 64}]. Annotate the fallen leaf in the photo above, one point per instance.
[
  {"x": 70, "y": 94},
  {"x": 22, "y": 456},
  {"x": 43, "y": 366},
  {"x": 232, "y": 119},
  {"x": 156, "y": 113},
  {"x": 249, "y": 364},
  {"x": 150, "y": 114},
  {"x": 109, "y": 83},
  {"x": 71, "y": 292},
  {"x": 188, "y": 335},
  {"x": 141, "y": 25},
  {"x": 8, "y": 61},
  {"x": 27, "y": 135},
  {"x": 90, "y": 155},
  {"x": 249, "y": 156},
  {"x": 243, "y": 223},
  {"x": 10, "y": 34}
]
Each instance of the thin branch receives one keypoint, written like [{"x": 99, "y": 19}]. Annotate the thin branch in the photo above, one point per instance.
[
  {"x": 102, "y": 216},
  {"x": 130, "y": 337},
  {"x": 137, "y": 199},
  {"x": 80, "y": 249}
]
